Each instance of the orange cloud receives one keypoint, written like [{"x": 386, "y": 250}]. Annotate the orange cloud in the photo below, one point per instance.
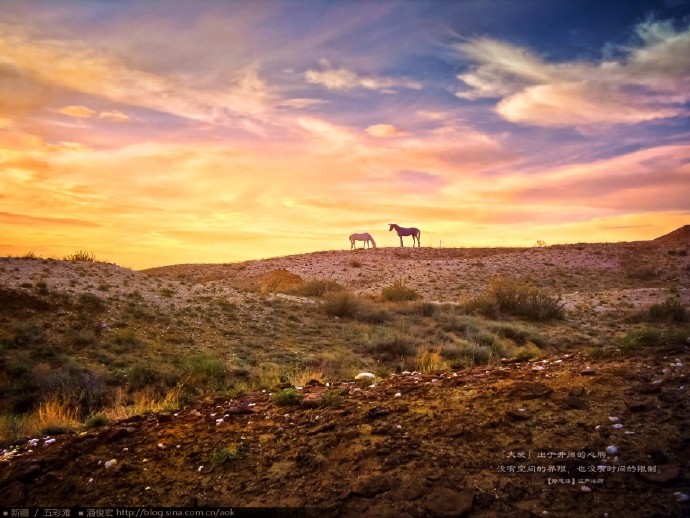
[
  {"x": 77, "y": 111},
  {"x": 384, "y": 130}
]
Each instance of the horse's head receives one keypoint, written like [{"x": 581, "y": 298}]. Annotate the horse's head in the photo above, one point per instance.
[{"x": 391, "y": 226}]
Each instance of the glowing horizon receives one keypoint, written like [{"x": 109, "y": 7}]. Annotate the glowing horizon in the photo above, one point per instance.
[{"x": 152, "y": 134}]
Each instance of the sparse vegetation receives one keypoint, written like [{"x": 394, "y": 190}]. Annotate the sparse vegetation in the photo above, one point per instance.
[
  {"x": 399, "y": 292},
  {"x": 513, "y": 297},
  {"x": 82, "y": 255},
  {"x": 287, "y": 397}
]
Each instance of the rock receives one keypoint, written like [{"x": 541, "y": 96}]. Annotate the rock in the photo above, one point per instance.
[
  {"x": 516, "y": 415},
  {"x": 529, "y": 390},
  {"x": 648, "y": 388},
  {"x": 635, "y": 405},
  {"x": 239, "y": 410},
  {"x": 365, "y": 376},
  {"x": 372, "y": 486},
  {"x": 314, "y": 383},
  {"x": 312, "y": 400},
  {"x": 665, "y": 473},
  {"x": 588, "y": 372},
  {"x": 377, "y": 412},
  {"x": 446, "y": 503},
  {"x": 164, "y": 417},
  {"x": 455, "y": 431},
  {"x": 575, "y": 402}
]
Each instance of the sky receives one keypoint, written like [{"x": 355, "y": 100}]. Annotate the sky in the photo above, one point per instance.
[{"x": 165, "y": 132}]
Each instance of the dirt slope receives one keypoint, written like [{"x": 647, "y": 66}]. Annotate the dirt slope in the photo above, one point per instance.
[{"x": 526, "y": 438}]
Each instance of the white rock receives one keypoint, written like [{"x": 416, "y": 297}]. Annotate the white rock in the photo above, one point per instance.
[
  {"x": 611, "y": 450},
  {"x": 618, "y": 426},
  {"x": 160, "y": 446},
  {"x": 365, "y": 376},
  {"x": 586, "y": 489},
  {"x": 200, "y": 468},
  {"x": 110, "y": 463},
  {"x": 90, "y": 481},
  {"x": 397, "y": 394},
  {"x": 613, "y": 419},
  {"x": 681, "y": 497}
]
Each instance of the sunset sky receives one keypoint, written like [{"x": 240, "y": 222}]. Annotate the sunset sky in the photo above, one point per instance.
[{"x": 165, "y": 132}]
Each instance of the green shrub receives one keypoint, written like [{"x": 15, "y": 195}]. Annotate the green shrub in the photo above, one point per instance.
[
  {"x": 84, "y": 337},
  {"x": 643, "y": 337},
  {"x": 28, "y": 334},
  {"x": 671, "y": 309},
  {"x": 222, "y": 457},
  {"x": 207, "y": 369},
  {"x": 287, "y": 397},
  {"x": 331, "y": 398},
  {"x": 95, "y": 421},
  {"x": 393, "y": 348},
  {"x": 398, "y": 292}
]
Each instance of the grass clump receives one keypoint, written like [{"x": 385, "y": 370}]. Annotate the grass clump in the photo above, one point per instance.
[
  {"x": 341, "y": 304},
  {"x": 431, "y": 360},
  {"x": 513, "y": 297},
  {"x": 56, "y": 417},
  {"x": 642, "y": 337},
  {"x": 399, "y": 292},
  {"x": 96, "y": 421},
  {"x": 287, "y": 397},
  {"x": 223, "y": 457},
  {"x": 81, "y": 255},
  {"x": 316, "y": 288},
  {"x": 671, "y": 309}
]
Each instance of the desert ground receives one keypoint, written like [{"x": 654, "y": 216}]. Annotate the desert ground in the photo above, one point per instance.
[{"x": 546, "y": 381}]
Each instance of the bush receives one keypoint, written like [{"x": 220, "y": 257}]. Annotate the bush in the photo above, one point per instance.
[
  {"x": 671, "y": 309},
  {"x": 430, "y": 360},
  {"x": 95, "y": 421},
  {"x": 91, "y": 301},
  {"x": 517, "y": 298},
  {"x": 394, "y": 348},
  {"x": 341, "y": 304},
  {"x": 287, "y": 397},
  {"x": 398, "y": 292},
  {"x": 643, "y": 337},
  {"x": 81, "y": 255},
  {"x": 316, "y": 288}
]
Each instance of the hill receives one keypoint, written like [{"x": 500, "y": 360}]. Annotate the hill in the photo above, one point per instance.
[
  {"x": 680, "y": 235},
  {"x": 499, "y": 385}
]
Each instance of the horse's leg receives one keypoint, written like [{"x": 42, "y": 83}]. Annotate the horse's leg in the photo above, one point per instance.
[{"x": 401, "y": 243}]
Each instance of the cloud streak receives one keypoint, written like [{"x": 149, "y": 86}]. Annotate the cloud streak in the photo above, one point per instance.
[
  {"x": 647, "y": 81},
  {"x": 344, "y": 79}
]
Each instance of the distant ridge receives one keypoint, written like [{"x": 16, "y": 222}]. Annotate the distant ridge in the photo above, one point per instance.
[{"x": 680, "y": 234}]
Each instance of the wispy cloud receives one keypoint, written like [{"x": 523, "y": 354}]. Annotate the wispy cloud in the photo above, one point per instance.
[
  {"x": 384, "y": 131},
  {"x": 73, "y": 65},
  {"x": 344, "y": 79},
  {"x": 650, "y": 80}
]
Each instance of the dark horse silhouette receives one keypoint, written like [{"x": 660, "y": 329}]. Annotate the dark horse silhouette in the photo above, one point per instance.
[{"x": 402, "y": 231}]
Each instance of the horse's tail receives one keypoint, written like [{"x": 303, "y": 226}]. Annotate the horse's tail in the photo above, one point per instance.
[{"x": 372, "y": 241}]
